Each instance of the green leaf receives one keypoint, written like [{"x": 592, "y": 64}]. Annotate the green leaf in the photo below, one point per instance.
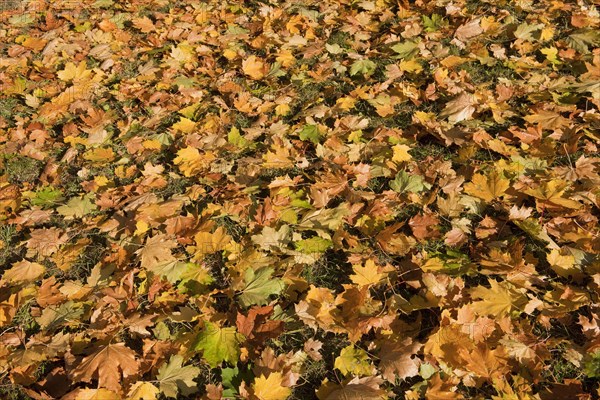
[
  {"x": 103, "y": 3},
  {"x": 47, "y": 197},
  {"x": 232, "y": 378},
  {"x": 185, "y": 82},
  {"x": 21, "y": 20},
  {"x": 525, "y": 31},
  {"x": 364, "y": 67},
  {"x": 235, "y": 138},
  {"x": 334, "y": 48},
  {"x": 310, "y": 132},
  {"x": 406, "y": 50},
  {"x": 276, "y": 70},
  {"x": 433, "y": 23},
  {"x": 175, "y": 270},
  {"x": 83, "y": 27},
  {"x": 592, "y": 365},
  {"x": 533, "y": 228},
  {"x": 583, "y": 38},
  {"x": 409, "y": 183},
  {"x": 219, "y": 344},
  {"x": 260, "y": 285},
  {"x": 313, "y": 245},
  {"x": 77, "y": 207},
  {"x": 324, "y": 219},
  {"x": 64, "y": 315},
  {"x": 174, "y": 377}
]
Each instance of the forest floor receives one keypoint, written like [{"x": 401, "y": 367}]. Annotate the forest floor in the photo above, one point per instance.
[{"x": 299, "y": 199}]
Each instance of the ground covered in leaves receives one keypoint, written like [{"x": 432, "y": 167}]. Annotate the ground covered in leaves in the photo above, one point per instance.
[{"x": 304, "y": 199}]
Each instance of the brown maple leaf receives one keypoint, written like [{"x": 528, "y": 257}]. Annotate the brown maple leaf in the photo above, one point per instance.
[
  {"x": 425, "y": 226},
  {"x": 109, "y": 365},
  {"x": 397, "y": 359},
  {"x": 45, "y": 242},
  {"x": 257, "y": 327}
]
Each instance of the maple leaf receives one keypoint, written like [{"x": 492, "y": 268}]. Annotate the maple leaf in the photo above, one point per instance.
[
  {"x": 259, "y": 286},
  {"x": 45, "y": 242},
  {"x": 367, "y": 388},
  {"x": 78, "y": 207},
  {"x": 74, "y": 72},
  {"x": 547, "y": 120},
  {"x": 401, "y": 153},
  {"x": 313, "y": 245},
  {"x": 499, "y": 300},
  {"x": 208, "y": 243},
  {"x": 190, "y": 161},
  {"x": 425, "y": 226},
  {"x": 485, "y": 362},
  {"x": 254, "y": 67},
  {"x": 405, "y": 182},
  {"x": 487, "y": 188},
  {"x": 310, "y": 132},
  {"x": 469, "y": 30},
  {"x": 92, "y": 394},
  {"x": 173, "y": 377},
  {"x": 563, "y": 265},
  {"x": 270, "y": 387},
  {"x": 552, "y": 192},
  {"x": 270, "y": 237},
  {"x": 66, "y": 314},
  {"x": 318, "y": 308},
  {"x": 364, "y": 67},
  {"x": 143, "y": 391},
  {"x": 108, "y": 365},
  {"x": 218, "y": 344},
  {"x": 157, "y": 251},
  {"x": 460, "y": 108},
  {"x": 257, "y": 326},
  {"x": 397, "y": 359},
  {"x": 366, "y": 275},
  {"x": 23, "y": 271},
  {"x": 407, "y": 49},
  {"x": 354, "y": 361}
]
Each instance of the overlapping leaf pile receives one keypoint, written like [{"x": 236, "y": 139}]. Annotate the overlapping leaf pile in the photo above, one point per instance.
[{"x": 316, "y": 199}]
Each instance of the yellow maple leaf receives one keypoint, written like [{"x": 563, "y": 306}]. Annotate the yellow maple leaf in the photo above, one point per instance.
[
  {"x": 286, "y": 58},
  {"x": 254, "y": 67},
  {"x": 552, "y": 192},
  {"x": 563, "y": 265},
  {"x": 354, "y": 361},
  {"x": 499, "y": 300},
  {"x": 366, "y": 275},
  {"x": 35, "y": 44},
  {"x": 551, "y": 54},
  {"x": 318, "y": 309},
  {"x": 207, "y": 243},
  {"x": 271, "y": 387},
  {"x": 278, "y": 157},
  {"x": 184, "y": 125},
  {"x": 411, "y": 66},
  {"x": 74, "y": 72},
  {"x": 24, "y": 271},
  {"x": 8, "y": 308},
  {"x": 547, "y": 119},
  {"x": 282, "y": 109},
  {"x": 346, "y": 103},
  {"x": 97, "y": 394},
  {"x": 100, "y": 155},
  {"x": 487, "y": 187},
  {"x": 143, "y": 391},
  {"x": 191, "y": 161},
  {"x": 401, "y": 153}
]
